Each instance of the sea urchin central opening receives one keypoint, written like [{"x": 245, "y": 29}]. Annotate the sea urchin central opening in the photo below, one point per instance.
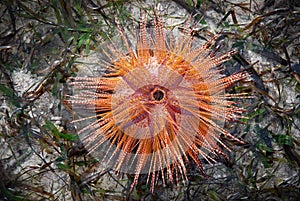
[{"x": 158, "y": 94}]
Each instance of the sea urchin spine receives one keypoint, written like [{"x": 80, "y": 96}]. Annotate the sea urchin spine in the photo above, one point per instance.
[{"x": 157, "y": 105}]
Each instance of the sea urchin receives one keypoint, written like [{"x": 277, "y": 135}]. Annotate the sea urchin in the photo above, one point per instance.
[{"x": 157, "y": 104}]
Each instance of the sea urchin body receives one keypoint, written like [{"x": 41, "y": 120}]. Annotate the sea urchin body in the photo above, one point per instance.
[{"x": 156, "y": 105}]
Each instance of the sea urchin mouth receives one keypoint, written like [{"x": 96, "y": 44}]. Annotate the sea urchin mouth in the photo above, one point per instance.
[
  {"x": 158, "y": 94},
  {"x": 157, "y": 106}
]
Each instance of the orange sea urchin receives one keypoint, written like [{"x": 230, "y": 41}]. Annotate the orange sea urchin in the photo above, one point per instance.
[{"x": 156, "y": 105}]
